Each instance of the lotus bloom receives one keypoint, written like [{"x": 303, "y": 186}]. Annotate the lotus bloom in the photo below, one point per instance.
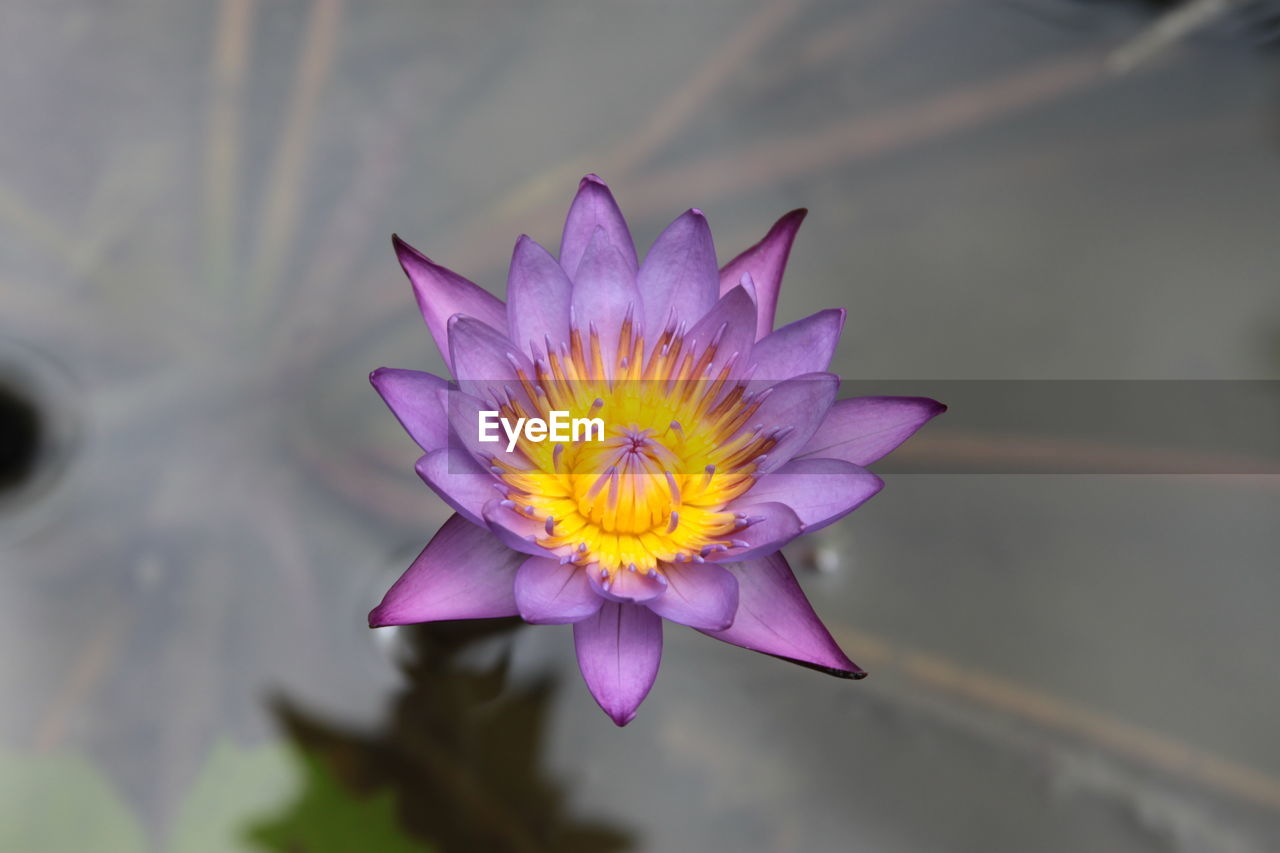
[{"x": 721, "y": 441}]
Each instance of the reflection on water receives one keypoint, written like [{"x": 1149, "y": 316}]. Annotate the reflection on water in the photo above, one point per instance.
[{"x": 462, "y": 750}]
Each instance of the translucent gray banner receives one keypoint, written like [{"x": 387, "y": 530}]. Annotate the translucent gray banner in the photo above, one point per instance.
[{"x": 1169, "y": 427}]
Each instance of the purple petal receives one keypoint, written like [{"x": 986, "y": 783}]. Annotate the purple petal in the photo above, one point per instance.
[
  {"x": 805, "y": 346},
  {"x": 414, "y": 399},
  {"x": 549, "y": 592},
  {"x": 700, "y": 595},
  {"x": 619, "y": 650},
  {"x": 820, "y": 491},
  {"x": 485, "y": 360},
  {"x": 457, "y": 478},
  {"x": 464, "y": 421},
  {"x": 766, "y": 262},
  {"x": 636, "y": 587},
  {"x": 774, "y": 525},
  {"x": 730, "y": 325},
  {"x": 593, "y": 207},
  {"x": 748, "y": 284},
  {"x": 538, "y": 295},
  {"x": 863, "y": 429},
  {"x": 514, "y": 530},
  {"x": 679, "y": 274},
  {"x": 487, "y": 364},
  {"x": 464, "y": 573},
  {"x": 799, "y": 403},
  {"x": 441, "y": 293},
  {"x": 774, "y": 617},
  {"x": 604, "y": 294}
]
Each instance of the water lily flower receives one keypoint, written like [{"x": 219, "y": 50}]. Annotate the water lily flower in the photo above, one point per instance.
[{"x": 723, "y": 441}]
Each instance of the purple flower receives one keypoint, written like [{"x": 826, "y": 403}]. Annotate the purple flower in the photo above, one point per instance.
[{"x": 721, "y": 441}]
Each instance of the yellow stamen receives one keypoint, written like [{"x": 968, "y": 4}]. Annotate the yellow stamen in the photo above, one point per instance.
[{"x": 679, "y": 446}]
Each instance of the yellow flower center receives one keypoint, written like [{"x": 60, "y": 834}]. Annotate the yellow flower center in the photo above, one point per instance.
[{"x": 678, "y": 447}]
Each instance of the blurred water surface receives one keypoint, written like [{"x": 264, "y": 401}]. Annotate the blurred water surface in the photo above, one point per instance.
[{"x": 195, "y": 279}]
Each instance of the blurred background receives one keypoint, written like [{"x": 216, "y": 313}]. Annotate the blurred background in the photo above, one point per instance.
[{"x": 201, "y": 497}]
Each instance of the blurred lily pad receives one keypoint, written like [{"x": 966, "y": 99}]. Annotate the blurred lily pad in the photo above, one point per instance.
[
  {"x": 61, "y": 802},
  {"x": 236, "y": 786},
  {"x": 328, "y": 817}
]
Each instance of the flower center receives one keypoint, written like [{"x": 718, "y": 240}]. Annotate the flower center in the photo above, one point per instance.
[{"x": 678, "y": 448}]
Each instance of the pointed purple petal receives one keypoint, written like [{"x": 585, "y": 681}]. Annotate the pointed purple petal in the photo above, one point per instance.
[
  {"x": 863, "y": 429},
  {"x": 820, "y": 491},
  {"x": 593, "y": 207},
  {"x": 619, "y": 650},
  {"x": 441, "y": 293},
  {"x": 700, "y": 595},
  {"x": 464, "y": 421},
  {"x": 766, "y": 262},
  {"x": 774, "y": 617},
  {"x": 549, "y": 592},
  {"x": 485, "y": 360},
  {"x": 464, "y": 573},
  {"x": 776, "y": 524},
  {"x": 480, "y": 354},
  {"x": 463, "y": 411},
  {"x": 800, "y": 403},
  {"x": 731, "y": 324},
  {"x": 805, "y": 346},
  {"x": 538, "y": 295},
  {"x": 748, "y": 284},
  {"x": 459, "y": 480},
  {"x": 679, "y": 274},
  {"x": 413, "y": 398},
  {"x": 604, "y": 294}
]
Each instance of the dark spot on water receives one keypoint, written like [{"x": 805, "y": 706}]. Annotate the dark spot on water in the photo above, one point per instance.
[{"x": 21, "y": 429}]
